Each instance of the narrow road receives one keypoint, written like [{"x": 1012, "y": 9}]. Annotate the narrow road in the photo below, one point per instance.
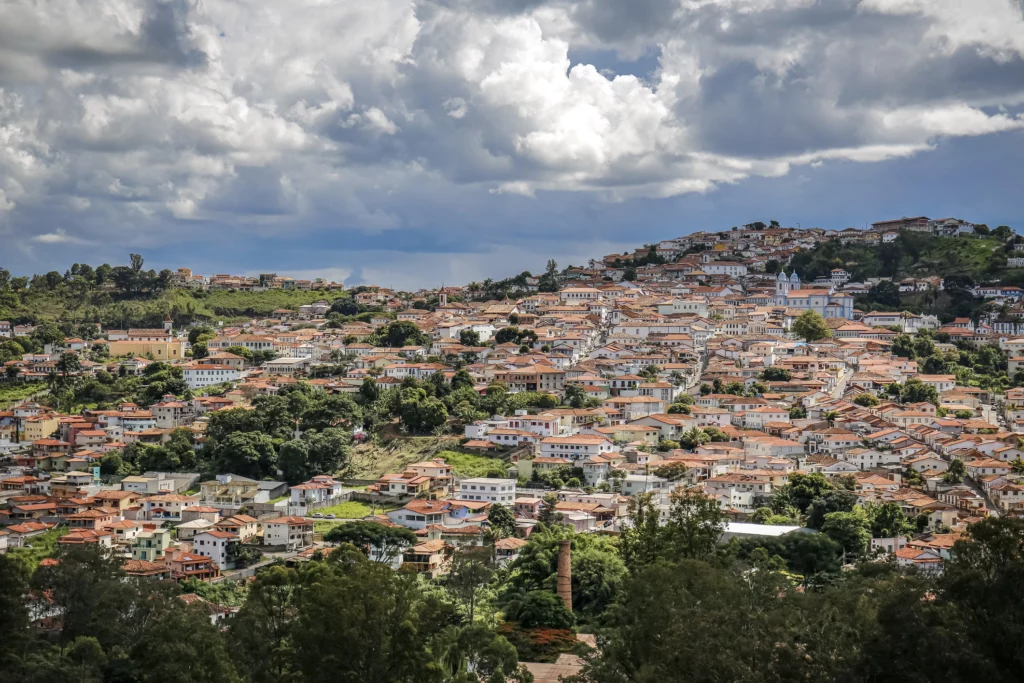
[{"x": 841, "y": 384}]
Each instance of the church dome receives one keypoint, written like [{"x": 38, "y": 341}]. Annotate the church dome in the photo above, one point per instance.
[
  {"x": 782, "y": 276},
  {"x": 794, "y": 277}
]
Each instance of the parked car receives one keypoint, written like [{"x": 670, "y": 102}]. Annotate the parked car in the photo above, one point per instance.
[
  {"x": 318, "y": 516},
  {"x": 332, "y": 516}
]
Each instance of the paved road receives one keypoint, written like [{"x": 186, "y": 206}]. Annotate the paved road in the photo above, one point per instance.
[{"x": 841, "y": 385}]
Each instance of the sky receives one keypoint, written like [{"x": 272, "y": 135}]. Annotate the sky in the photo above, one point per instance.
[{"x": 410, "y": 143}]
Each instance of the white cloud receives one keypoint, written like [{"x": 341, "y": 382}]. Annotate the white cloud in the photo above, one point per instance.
[
  {"x": 293, "y": 113},
  {"x": 58, "y": 237}
]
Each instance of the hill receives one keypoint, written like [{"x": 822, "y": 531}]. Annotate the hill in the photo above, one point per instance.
[
  {"x": 128, "y": 296},
  {"x": 983, "y": 259}
]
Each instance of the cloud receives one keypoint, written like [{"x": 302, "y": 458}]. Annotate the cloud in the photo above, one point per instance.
[
  {"x": 58, "y": 237},
  {"x": 149, "y": 123}
]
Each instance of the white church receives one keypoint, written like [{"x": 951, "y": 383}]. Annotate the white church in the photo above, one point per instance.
[{"x": 827, "y": 302}]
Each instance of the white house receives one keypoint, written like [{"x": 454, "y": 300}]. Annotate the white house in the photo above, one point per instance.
[
  {"x": 214, "y": 544},
  {"x": 577, "y": 447},
  {"x": 197, "y": 376},
  {"x": 291, "y": 532},
  {"x": 486, "y": 489}
]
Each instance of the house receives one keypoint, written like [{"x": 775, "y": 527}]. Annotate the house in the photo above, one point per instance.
[
  {"x": 418, "y": 514},
  {"x": 432, "y": 558},
  {"x": 151, "y": 543},
  {"x": 198, "y": 375},
  {"x": 243, "y": 526},
  {"x": 290, "y": 532},
  {"x": 192, "y": 566},
  {"x": 577, "y": 447},
  {"x": 20, "y": 535},
  {"x": 507, "y": 550},
  {"x": 923, "y": 560},
  {"x": 215, "y": 545},
  {"x": 186, "y": 531},
  {"x": 501, "y": 491},
  {"x": 167, "y": 506},
  {"x": 144, "y": 569},
  {"x": 319, "y": 491}
]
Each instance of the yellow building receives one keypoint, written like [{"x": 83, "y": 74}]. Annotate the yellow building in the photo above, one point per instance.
[
  {"x": 158, "y": 350},
  {"x": 39, "y": 427}
]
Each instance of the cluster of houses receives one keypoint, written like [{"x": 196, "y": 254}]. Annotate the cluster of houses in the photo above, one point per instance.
[
  {"x": 164, "y": 524},
  {"x": 705, "y": 315}
]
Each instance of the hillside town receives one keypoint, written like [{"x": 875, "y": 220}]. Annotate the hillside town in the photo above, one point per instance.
[{"x": 697, "y": 366}]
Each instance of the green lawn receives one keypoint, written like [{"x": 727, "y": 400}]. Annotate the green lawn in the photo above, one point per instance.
[
  {"x": 11, "y": 393},
  {"x": 353, "y": 509},
  {"x": 43, "y": 546},
  {"x": 322, "y": 526},
  {"x": 471, "y": 465}
]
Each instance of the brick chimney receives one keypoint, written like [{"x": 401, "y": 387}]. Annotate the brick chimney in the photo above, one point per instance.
[{"x": 564, "y": 584}]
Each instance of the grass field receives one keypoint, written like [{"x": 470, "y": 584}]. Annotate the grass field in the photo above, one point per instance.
[
  {"x": 370, "y": 461},
  {"x": 471, "y": 465},
  {"x": 354, "y": 509},
  {"x": 12, "y": 393},
  {"x": 43, "y": 546},
  {"x": 224, "y": 305}
]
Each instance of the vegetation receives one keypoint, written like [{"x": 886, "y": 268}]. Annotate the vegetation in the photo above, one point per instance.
[
  {"x": 811, "y": 326},
  {"x": 352, "y": 509},
  {"x": 129, "y": 296},
  {"x": 470, "y": 465},
  {"x": 668, "y": 602},
  {"x": 978, "y": 259}
]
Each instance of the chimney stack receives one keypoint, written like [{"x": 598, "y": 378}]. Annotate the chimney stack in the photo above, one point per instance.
[{"x": 564, "y": 584}]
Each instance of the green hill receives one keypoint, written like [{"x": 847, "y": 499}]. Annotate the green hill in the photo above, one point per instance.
[{"x": 983, "y": 259}]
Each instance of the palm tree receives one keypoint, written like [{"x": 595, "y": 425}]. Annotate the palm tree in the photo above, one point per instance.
[{"x": 693, "y": 437}]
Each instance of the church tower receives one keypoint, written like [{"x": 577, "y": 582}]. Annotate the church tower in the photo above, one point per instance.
[{"x": 781, "y": 288}]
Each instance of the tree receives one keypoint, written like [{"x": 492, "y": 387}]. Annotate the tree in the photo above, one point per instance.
[
  {"x": 401, "y": 333},
  {"x": 575, "y": 396},
  {"x": 249, "y": 454},
  {"x": 866, "y": 400},
  {"x": 693, "y": 437},
  {"x": 196, "y": 333},
  {"x": 916, "y": 391},
  {"x": 695, "y": 525},
  {"x": 501, "y": 521},
  {"x": 849, "y": 530},
  {"x": 1003, "y": 232},
  {"x": 176, "y": 634},
  {"x": 811, "y": 326},
  {"x": 471, "y": 570},
  {"x": 379, "y": 542},
  {"x": 802, "y": 489},
  {"x": 469, "y": 337},
  {"x": 776, "y": 374},
  {"x": 540, "y": 609},
  {"x": 88, "y": 588},
  {"x": 358, "y": 621},
  {"x": 903, "y": 345},
  {"x": 887, "y": 521},
  {"x": 956, "y": 471},
  {"x": 834, "y": 500},
  {"x": 673, "y": 471},
  {"x": 507, "y": 334},
  {"x": 642, "y": 538},
  {"x": 886, "y": 293},
  {"x": 326, "y": 452}
]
